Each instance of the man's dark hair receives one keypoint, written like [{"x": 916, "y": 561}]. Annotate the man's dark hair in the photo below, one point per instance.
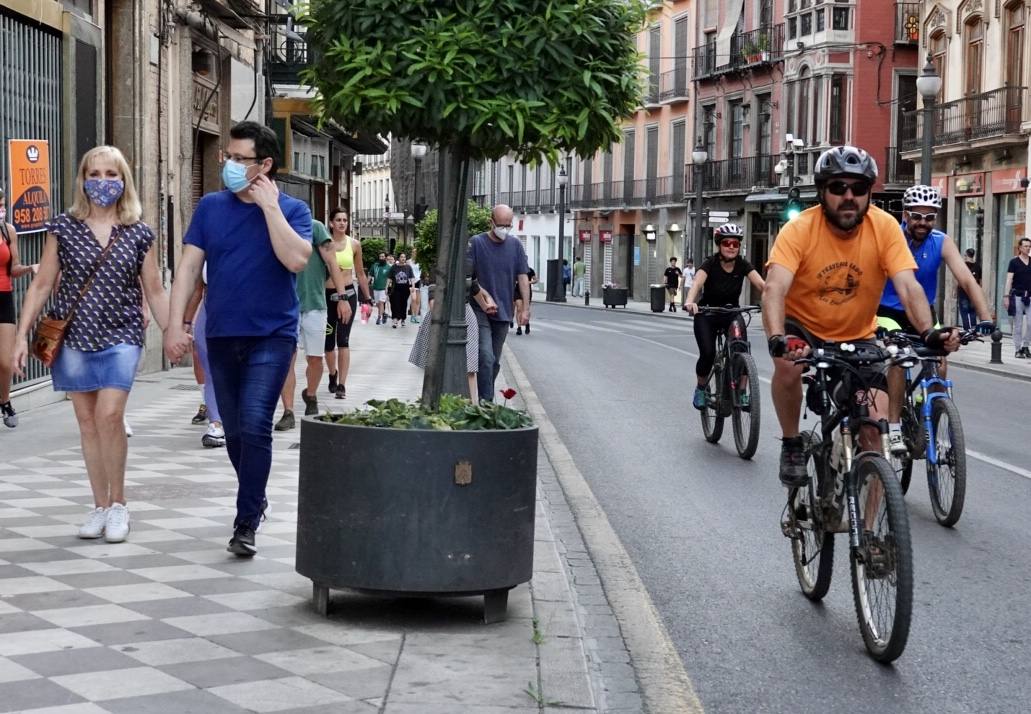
[
  {"x": 673, "y": 259},
  {"x": 1021, "y": 242},
  {"x": 970, "y": 253},
  {"x": 266, "y": 143}
]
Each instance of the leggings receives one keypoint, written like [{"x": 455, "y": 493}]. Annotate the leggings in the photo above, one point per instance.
[
  {"x": 706, "y": 327},
  {"x": 338, "y": 334},
  {"x": 399, "y": 302}
]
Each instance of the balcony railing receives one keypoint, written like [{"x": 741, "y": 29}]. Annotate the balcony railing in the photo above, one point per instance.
[
  {"x": 287, "y": 58},
  {"x": 980, "y": 116},
  {"x": 736, "y": 174},
  {"x": 673, "y": 85},
  {"x": 907, "y": 23},
  {"x": 898, "y": 170},
  {"x": 639, "y": 193},
  {"x": 752, "y": 49}
]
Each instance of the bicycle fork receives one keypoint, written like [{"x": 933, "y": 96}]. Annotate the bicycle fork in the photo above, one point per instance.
[{"x": 851, "y": 485}]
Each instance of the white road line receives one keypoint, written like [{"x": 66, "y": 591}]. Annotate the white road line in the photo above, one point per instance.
[{"x": 1000, "y": 464}]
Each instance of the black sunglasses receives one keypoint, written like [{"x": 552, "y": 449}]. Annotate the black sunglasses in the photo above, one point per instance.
[{"x": 839, "y": 188}]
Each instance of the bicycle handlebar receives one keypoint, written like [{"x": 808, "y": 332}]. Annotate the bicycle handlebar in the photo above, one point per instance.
[
  {"x": 966, "y": 336},
  {"x": 728, "y": 310}
]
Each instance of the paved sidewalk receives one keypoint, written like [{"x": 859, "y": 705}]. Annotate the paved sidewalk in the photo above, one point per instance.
[
  {"x": 976, "y": 355},
  {"x": 170, "y": 622}
]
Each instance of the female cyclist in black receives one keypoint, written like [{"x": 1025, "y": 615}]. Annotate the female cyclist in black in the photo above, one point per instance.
[{"x": 719, "y": 279}]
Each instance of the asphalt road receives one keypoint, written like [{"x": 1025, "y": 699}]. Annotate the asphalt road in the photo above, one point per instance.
[{"x": 702, "y": 527}]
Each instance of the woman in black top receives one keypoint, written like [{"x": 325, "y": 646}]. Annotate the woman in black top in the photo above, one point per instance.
[
  {"x": 719, "y": 279},
  {"x": 400, "y": 280}
]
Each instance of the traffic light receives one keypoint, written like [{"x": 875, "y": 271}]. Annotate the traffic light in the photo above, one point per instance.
[{"x": 793, "y": 206}]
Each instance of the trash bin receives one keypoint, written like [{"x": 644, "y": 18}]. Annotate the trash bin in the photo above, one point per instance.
[{"x": 658, "y": 293}]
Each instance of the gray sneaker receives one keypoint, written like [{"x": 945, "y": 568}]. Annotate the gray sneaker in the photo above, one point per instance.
[
  {"x": 311, "y": 404},
  {"x": 10, "y": 418},
  {"x": 286, "y": 422}
]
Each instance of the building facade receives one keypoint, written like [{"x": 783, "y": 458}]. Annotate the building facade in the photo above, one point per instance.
[{"x": 979, "y": 127}]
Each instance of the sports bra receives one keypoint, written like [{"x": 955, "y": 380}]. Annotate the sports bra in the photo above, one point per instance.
[{"x": 345, "y": 257}]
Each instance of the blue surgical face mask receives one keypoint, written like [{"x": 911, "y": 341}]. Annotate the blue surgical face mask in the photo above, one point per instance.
[
  {"x": 234, "y": 176},
  {"x": 104, "y": 192}
]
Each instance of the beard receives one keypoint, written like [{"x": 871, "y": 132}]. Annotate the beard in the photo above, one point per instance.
[{"x": 842, "y": 223}]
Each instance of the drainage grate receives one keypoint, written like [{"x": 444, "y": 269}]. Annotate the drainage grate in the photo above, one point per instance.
[
  {"x": 295, "y": 445},
  {"x": 186, "y": 387}
]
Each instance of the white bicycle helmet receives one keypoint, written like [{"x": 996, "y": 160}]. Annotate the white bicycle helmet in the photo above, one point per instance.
[
  {"x": 727, "y": 230},
  {"x": 845, "y": 162},
  {"x": 922, "y": 196}
]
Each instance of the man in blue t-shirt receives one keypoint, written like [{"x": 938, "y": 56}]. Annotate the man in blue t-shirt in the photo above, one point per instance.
[
  {"x": 497, "y": 260},
  {"x": 254, "y": 239}
]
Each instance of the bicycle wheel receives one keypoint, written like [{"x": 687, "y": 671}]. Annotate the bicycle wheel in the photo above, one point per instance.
[
  {"x": 712, "y": 422},
  {"x": 947, "y": 480},
  {"x": 882, "y": 566},
  {"x": 813, "y": 550},
  {"x": 745, "y": 418}
]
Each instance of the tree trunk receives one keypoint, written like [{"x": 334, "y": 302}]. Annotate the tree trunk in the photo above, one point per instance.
[{"x": 445, "y": 364}]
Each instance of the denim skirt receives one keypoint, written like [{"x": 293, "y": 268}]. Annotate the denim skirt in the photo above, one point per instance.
[{"x": 110, "y": 368}]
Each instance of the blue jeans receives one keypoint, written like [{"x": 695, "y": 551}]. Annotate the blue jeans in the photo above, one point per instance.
[
  {"x": 248, "y": 374},
  {"x": 967, "y": 314},
  {"x": 492, "y": 341}
]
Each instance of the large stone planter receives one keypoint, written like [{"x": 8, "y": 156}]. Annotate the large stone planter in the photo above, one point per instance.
[{"x": 416, "y": 512}]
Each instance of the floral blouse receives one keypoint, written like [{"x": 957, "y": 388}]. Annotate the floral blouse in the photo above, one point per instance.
[{"x": 111, "y": 312}]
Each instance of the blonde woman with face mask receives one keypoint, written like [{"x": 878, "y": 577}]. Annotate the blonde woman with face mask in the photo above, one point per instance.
[{"x": 97, "y": 362}]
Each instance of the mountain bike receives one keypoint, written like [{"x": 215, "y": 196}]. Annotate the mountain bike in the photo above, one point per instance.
[
  {"x": 928, "y": 408},
  {"x": 732, "y": 387},
  {"x": 855, "y": 492}
]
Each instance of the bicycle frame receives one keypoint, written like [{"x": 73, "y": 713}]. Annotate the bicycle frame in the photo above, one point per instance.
[
  {"x": 925, "y": 384},
  {"x": 842, "y": 419}
]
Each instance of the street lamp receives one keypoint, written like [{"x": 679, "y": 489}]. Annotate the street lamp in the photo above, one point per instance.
[
  {"x": 418, "y": 152},
  {"x": 386, "y": 222},
  {"x": 928, "y": 84},
  {"x": 563, "y": 179},
  {"x": 699, "y": 156}
]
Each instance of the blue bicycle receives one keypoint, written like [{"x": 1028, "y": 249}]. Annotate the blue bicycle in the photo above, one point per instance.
[{"x": 928, "y": 409}]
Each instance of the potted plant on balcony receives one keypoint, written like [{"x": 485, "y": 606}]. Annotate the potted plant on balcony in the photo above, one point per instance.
[{"x": 456, "y": 76}]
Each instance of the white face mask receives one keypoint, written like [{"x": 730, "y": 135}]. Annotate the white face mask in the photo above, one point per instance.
[{"x": 501, "y": 233}]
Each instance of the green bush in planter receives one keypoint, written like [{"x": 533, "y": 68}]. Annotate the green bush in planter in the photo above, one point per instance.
[
  {"x": 454, "y": 414},
  {"x": 371, "y": 248},
  {"x": 426, "y": 233}
]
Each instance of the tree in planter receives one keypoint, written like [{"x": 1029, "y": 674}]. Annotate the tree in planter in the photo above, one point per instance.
[
  {"x": 426, "y": 233},
  {"x": 480, "y": 79}
]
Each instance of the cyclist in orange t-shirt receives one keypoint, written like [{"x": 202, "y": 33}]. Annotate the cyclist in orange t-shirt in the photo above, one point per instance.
[{"x": 826, "y": 274}]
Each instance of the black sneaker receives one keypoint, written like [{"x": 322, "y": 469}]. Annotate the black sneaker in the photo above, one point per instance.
[
  {"x": 242, "y": 542},
  {"x": 342, "y": 391},
  {"x": 527, "y": 328},
  {"x": 201, "y": 416},
  {"x": 793, "y": 473},
  {"x": 286, "y": 422},
  {"x": 332, "y": 382},
  {"x": 519, "y": 330},
  {"x": 10, "y": 418},
  {"x": 311, "y": 404}
]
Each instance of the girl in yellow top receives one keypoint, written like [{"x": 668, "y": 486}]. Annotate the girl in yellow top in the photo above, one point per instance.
[{"x": 338, "y": 332}]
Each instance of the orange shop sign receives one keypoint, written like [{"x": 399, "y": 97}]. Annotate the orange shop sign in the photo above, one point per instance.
[
  {"x": 30, "y": 183},
  {"x": 1009, "y": 180}
]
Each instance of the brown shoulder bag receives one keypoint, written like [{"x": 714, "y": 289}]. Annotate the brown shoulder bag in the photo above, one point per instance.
[{"x": 49, "y": 336}]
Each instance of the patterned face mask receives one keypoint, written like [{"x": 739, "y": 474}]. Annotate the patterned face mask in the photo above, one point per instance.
[{"x": 104, "y": 192}]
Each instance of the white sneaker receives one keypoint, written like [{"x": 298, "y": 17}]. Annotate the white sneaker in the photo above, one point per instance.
[
  {"x": 128, "y": 429},
  {"x": 95, "y": 523},
  {"x": 897, "y": 443},
  {"x": 118, "y": 521},
  {"x": 214, "y": 437}
]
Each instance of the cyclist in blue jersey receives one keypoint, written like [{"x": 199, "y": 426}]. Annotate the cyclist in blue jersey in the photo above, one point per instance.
[{"x": 929, "y": 247}]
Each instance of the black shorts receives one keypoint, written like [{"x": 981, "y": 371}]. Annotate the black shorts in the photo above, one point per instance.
[
  {"x": 900, "y": 317},
  {"x": 7, "y": 308}
]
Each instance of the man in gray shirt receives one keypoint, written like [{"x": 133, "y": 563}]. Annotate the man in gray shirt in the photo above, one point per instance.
[{"x": 497, "y": 260}]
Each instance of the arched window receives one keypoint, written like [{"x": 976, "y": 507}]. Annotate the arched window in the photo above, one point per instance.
[
  {"x": 973, "y": 59},
  {"x": 939, "y": 58}
]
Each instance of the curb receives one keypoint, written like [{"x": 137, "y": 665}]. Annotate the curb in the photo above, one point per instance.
[
  {"x": 665, "y": 684},
  {"x": 991, "y": 369}
]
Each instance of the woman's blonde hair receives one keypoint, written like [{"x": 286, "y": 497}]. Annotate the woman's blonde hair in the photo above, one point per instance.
[{"x": 128, "y": 206}]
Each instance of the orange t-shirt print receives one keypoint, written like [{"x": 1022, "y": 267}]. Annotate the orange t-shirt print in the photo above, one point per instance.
[{"x": 838, "y": 282}]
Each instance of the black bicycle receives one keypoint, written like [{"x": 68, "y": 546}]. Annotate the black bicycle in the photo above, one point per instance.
[
  {"x": 732, "y": 387},
  {"x": 928, "y": 408},
  {"x": 855, "y": 492}
]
